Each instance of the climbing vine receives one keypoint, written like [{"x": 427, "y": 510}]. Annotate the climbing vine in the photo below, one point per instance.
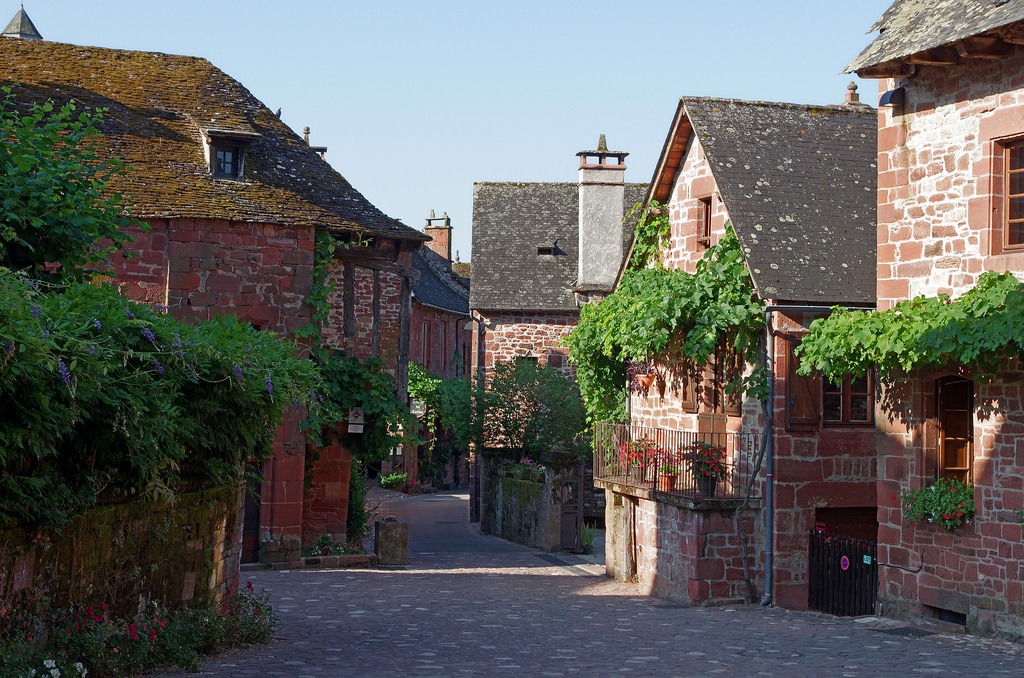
[
  {"x": 652, "y": 233},
  {"x": 978, "y": 330},
  {"x": 655, "y": 311}
]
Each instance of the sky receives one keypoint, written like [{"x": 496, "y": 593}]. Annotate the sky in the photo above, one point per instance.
[{"x": 417, "y": 100}]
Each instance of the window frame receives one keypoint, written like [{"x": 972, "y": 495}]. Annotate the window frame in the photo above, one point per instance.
[
  {"x": 1007, "y": 172},
  {"x": 705, "y": 215},
  {"x": 235, "y": 149},
  {"x": 846, "y": 394}
]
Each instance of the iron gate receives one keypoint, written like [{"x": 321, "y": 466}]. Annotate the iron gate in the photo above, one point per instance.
[{"x": 842, "y": 574}]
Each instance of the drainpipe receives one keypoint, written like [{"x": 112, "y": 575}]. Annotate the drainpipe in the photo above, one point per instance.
[{"x": 769, "y": 467}]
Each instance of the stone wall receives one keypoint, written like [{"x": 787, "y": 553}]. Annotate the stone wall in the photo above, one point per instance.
[
  {"x": 523, "y": 334},
  {"x": 975, "y": 570},
  {"x": 686, "y": 550},
  {"x": 325, "y": 501},
  {"x": 940, "y": 194},
  {"x": 125, "y": 555},
  {"x": 435, "y": 337}
]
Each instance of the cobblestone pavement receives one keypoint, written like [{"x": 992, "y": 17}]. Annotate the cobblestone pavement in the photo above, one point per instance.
[{"x": 504, "y": 610}]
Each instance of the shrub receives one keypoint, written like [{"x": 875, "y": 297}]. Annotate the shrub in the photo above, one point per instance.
[
  {"x": 357, "y": 522},
  {"x": 86, "y": 641},
  {"x": 392, "y": 480},
  {"x": 947, "y": 502},
  {"x": 99, "y": 393}
]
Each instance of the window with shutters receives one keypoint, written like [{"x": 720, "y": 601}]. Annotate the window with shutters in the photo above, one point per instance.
[
  {"x": 803, "y": 394},
  {"x": 955, "y": 413}
]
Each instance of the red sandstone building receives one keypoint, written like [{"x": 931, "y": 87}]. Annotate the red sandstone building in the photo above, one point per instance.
[
  {"x": 950, "y": 133},
  {"x": 233, "y": 199},
  {"x": 797, "y": 185}
]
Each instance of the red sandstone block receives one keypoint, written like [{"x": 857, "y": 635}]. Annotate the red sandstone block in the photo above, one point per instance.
[
  {"x": 183, "y": 280},
  {"x": 219, "y": 282}
]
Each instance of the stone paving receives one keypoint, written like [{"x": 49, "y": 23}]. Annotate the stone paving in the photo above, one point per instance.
[{"x": 504, "y": 610}]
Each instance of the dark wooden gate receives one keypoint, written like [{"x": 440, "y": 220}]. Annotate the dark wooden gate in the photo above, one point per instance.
[
  {"x": 571, "y": 537},
  {"x": 842, "y": 574}
]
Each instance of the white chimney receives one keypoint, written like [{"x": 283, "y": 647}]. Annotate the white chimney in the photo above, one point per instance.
[{"x": 602, "y": 193}]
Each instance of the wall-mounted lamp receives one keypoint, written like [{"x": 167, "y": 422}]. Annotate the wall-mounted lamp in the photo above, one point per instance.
[{"x": 894, "y": 98}]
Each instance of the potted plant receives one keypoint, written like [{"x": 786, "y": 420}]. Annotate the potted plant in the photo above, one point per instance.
[
  {"x": 707, "y": 464},
  {"x": 667, "y": 472},
  {"x": 587, "y": 538},
  {"x": 642, "y": 375},
  {"x": 636, "y": 456},
  {"x": 948, "y": 502}
]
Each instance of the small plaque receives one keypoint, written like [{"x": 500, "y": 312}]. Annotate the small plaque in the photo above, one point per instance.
[{"x": 355, "y": 420}]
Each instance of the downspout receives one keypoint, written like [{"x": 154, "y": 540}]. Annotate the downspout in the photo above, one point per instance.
[
  {"x": 769, "y": 463},
  {"x": 769, "y": 467}
]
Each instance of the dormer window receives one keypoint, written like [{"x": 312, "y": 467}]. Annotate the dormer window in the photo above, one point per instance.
[
  {"x": 225, "y": 152},
  {"x": 225, "y": 161}
]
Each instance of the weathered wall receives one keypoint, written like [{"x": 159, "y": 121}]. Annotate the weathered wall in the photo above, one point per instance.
[
  {"x": 445, "y": 335},
  {"x": 522, "y": 334},
  {"x": 977, "y": 569},
  {"x": 325, "y": 501},
  {"x": 117, "y": 555},
  {"x": 522, "y": 509},
  {"x": 389, "y": 289},
  {"x": 681, "y": 550},
  {"x": 940, "y": 194}
]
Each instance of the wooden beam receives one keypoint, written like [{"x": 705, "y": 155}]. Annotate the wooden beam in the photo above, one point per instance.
[
  {"x": 348, "y": 287},
  {"x": 940, "y": 56},
  {"x": 983, "y": 47},
  {"x": 404, "y": 324},
  {"x": 890, "y": 69},
  {"x": 1013, "y": 34},
  {"x": 375, "y": 330}
]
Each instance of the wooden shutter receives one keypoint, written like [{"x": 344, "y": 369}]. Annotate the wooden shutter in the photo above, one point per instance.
[{"x": 803, "y": 395}]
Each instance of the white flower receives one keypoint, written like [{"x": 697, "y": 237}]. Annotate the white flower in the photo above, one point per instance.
[
  {"x": 55, "y": 673},
  {"x": 49, "y": 663},
  {"x": 81, "y": 669}
]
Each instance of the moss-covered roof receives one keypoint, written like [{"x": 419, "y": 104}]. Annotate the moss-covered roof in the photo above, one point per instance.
[{"x": 159, "y": 108}]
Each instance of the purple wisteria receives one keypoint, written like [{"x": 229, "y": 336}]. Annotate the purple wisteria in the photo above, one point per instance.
[{"x": 63, "y": 371}]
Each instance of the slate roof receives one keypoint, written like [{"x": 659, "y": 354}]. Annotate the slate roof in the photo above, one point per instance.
[
  {"x": 799, "y": 185},
  {"x": 438, "y": 285},
  {"x": 158, "y": 104},
  {"x": 22, "y": 27},
  {"x": 510, "y": 221},
  {"x": 912, "y": 26}
]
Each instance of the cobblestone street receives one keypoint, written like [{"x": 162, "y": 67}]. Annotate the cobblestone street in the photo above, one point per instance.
[{"x": 476, "y": 606}]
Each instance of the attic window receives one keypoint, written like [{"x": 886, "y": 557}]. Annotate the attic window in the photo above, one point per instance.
[
  {"x": 226, "y": 160},
  {"x": 546, "y": 249},
  {"x": 225, "y": 151}
]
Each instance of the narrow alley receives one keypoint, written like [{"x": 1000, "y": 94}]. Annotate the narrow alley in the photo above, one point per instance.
[{"x": 471, "y": 605}]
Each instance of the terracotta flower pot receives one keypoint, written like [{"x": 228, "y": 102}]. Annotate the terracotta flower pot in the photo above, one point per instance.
[{"x": 646, "y": 380}]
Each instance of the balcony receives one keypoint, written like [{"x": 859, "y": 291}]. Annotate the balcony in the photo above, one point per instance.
[{"x": 673, "y": 465}]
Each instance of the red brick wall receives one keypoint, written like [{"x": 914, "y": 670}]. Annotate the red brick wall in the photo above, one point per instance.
[
  {"x": 325, "y": 503},
  {"x": 940, "y": 205},
  {"x": 445, "y": 333},
  {"x": 510, "y": 335},
  {"x": 360, "y": 345},
  {"x": 939, "y": 191}
]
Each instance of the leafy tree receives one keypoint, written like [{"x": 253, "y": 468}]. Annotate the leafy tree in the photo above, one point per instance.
[
  {"x": 532, "y": 409},
  {"x": 57, "y": 206}
]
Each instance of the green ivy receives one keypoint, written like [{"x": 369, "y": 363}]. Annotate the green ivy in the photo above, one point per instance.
[
  {"x": 653, "y": 230},
  {"x": 977, "y": 330},
  {"x": 657, "y": 311}
]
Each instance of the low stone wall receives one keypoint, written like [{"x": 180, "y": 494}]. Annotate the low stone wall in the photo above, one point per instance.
[
  {"x": 126, "y": 555},
  {"x": 682, "y": 549},
  {"x": 521, "y": 509}
]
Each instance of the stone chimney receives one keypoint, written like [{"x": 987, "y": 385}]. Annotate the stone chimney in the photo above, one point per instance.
[
  {"x": 852, "y": 98},
  {"x": 601, "y": 191},
  {"x": 321, "y": 150},
  {"x": 440, "y": 229}
]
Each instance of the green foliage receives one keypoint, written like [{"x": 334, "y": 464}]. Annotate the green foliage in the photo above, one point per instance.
[
  {"x": 977, "y": 330},
  {"x": 587, "y": 536},
  {"x": 56, "y": 204},
  {"x": 947, "y": 502},
  {"x": 347, "y": 382},
  {"x": 392, "y": 480},
  {"x": 449, "y": 404},
  {"x": 357, "y": 523},
  {"x": 533, "y": 409},
  {"x": 100, "y": 393},
  {"x": 652, "y": 234},
  {"x": 655, "y": 311},
  {"x": 86, "y": 641}
]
